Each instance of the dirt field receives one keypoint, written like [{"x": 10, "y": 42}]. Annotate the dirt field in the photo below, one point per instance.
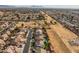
[{"x": 59, "y": 37}]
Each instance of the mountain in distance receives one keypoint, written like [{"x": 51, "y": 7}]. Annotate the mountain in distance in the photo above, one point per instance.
[
  {"x": 41, "y": 6},
  {"x": 20, "y": 6},
  {"x": 6, "y": 6}
]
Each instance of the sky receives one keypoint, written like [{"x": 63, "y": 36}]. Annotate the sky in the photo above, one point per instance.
[{"x": 53, "y": 3}]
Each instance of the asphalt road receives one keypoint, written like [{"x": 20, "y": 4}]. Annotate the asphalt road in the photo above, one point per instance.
[{"x": 27, "y": 45}]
